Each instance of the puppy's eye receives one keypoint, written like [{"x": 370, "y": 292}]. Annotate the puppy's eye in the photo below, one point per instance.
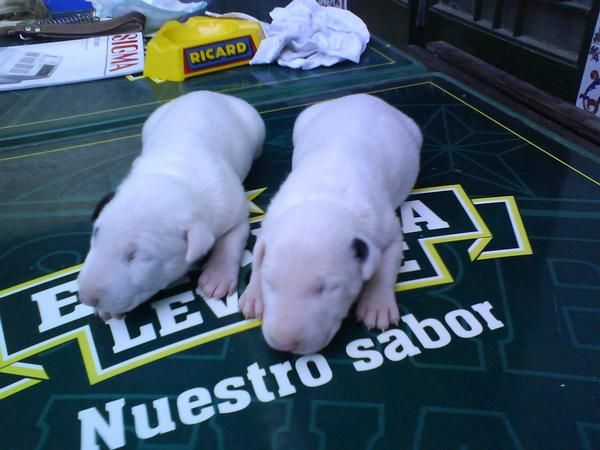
[
  {"x": 130, "y": 255},
  {"x": 318, "y": 288},
  {"x": 331, "y": 288},
  {"x": 334, "y": 287}
]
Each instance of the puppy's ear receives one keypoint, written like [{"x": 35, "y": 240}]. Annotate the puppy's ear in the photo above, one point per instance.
[
  {"x": 101, "y": 204},
  {"x": 199, "y": 241},
  {"x": 367, "y": 255}
]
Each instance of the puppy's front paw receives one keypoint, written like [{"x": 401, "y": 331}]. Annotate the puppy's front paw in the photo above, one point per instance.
[
  {"x": 378, "y": 312},
  {"x": 251, "y": 304},
  {"x": 218, "y": 281}
]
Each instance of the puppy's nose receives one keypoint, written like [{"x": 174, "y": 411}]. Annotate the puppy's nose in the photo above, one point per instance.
[
  {"x": 90, "y": 301},
  {"x": 285, "y": 344}
]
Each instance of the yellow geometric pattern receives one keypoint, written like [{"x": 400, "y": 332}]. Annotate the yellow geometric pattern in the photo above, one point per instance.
[{"x": 11, "y": 364}]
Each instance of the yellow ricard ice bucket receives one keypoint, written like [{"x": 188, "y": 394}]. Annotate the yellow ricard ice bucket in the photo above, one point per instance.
[{"x": 200, "y": 45}]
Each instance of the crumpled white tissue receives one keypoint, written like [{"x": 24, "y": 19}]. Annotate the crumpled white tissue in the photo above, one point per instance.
[{"x": 306, "y": 35}]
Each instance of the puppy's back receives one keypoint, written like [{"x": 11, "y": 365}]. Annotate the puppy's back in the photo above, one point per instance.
[
  {"x": 361, "y": 132},
  {"x": 207, "y": 121}
]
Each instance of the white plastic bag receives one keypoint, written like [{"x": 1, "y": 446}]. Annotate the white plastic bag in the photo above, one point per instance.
[{"x": 157, "y": 12}]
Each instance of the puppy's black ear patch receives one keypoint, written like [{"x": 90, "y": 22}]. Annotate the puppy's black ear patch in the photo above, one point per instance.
[
  {"x": 101, "y": 204},
  {"x": 361, "y": 249}
]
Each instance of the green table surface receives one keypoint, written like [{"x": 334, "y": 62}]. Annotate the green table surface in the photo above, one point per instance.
[
  {"x": 522, "y": 239},
  {"x": 110, "y": 103}
]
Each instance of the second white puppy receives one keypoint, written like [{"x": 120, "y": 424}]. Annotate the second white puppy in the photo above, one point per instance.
[
  {"x": 331, "y": 234},
  {"x": 182, "y": 197}
]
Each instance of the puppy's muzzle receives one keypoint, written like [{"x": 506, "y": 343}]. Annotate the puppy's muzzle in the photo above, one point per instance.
[
  {"x": 89, "y": 300},
  {"x": 284, "y": 343}
]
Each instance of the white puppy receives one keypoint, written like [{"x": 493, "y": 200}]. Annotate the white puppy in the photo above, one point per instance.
[
  {"x": 183, "y": 196},
  {"x": 331, "y": 234}
]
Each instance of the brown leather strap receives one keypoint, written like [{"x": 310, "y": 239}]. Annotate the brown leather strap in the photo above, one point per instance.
[{"x": 128, "y": 23}]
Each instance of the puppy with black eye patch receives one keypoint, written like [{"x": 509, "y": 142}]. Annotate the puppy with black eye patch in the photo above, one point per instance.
[
  {"x": 331, "y": 235},
  {"x": 182, "y": 197}
]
